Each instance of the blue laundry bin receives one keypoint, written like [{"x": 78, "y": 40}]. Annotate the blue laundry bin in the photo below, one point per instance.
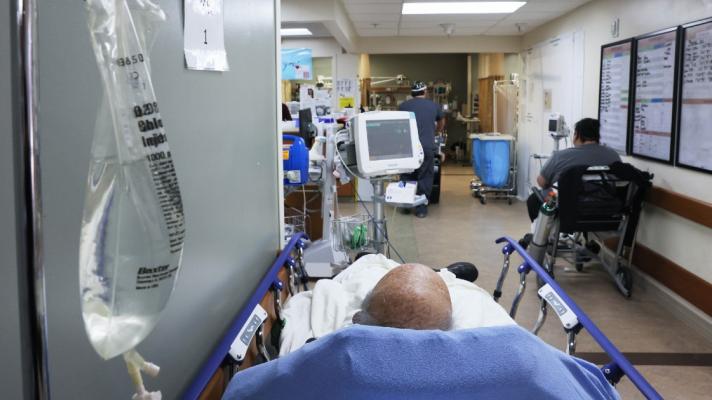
[{"x": 490, "y": 160}]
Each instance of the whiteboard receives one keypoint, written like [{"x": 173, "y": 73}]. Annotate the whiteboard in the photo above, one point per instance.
[
  {"x": 654, "y": 95},
  {"x": 614, "y": 96},
  {"x": 695, "y": 148}
]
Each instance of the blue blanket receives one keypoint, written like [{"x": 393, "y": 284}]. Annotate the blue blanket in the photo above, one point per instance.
[{"x": 362, "y": 362}]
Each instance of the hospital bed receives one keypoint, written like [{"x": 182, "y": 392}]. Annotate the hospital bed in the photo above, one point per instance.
[{"x": 270, "y": 293}]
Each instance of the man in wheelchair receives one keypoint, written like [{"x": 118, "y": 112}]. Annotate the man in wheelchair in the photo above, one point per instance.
[
  {"x": 591, "y": 196},
  {"x": 587, "y": 151}
]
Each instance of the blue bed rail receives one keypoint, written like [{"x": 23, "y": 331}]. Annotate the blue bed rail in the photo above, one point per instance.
[
  {"x": 619, "y": 365},
  {"x": 221, "y": 350}
]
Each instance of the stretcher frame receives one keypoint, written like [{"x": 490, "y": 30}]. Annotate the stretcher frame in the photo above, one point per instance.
[
  {"x": 290, "y": 256},
  {"x": 619, "y": 365}
]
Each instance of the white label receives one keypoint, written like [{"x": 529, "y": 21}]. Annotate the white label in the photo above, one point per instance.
[
  {"x": 567, "y": 317},
  {"x": 204, "y": 35},
  {"x": 238, "y": 348},
  {"x": 401, "y": 192}
]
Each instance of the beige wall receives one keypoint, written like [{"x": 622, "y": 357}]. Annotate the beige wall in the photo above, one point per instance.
[
  {"x": 684, "y": 242},
  {"x": 428, "y": 67}
]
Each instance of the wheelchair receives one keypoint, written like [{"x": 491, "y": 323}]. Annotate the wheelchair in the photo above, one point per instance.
[{"x": 597, "y": 207}]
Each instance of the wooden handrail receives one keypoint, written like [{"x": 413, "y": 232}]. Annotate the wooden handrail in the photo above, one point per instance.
[{"x": 695, "y": 210}]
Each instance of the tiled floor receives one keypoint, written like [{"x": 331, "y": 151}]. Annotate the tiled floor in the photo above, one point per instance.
[{"x": 461, "y": 229}]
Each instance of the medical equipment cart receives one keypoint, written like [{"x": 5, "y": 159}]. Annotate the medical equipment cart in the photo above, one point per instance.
[{"x": 494, "y": 160}]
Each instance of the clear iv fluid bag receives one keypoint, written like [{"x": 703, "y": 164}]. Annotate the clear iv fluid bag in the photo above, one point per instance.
[{"x": 133, "y": 226}]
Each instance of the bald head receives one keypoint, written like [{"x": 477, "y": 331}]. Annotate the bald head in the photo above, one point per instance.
[{"x": 410, "y": 296}]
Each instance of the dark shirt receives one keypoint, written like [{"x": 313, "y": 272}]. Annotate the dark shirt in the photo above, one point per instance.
[
  {"x": 427, "y": 113},
  {"x": 590, "y": 154},
  {"x": 286, "y": 115}
]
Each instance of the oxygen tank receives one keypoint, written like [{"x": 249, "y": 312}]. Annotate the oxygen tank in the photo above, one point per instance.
[{"x": 542, "y": 229}]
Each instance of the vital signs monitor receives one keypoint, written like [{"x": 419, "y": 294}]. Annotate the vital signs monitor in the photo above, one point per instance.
[{"x": 386, "y": 143}]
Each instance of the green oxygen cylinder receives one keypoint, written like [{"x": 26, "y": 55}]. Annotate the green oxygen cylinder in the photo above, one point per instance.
[{"x": 542, "y": 229}]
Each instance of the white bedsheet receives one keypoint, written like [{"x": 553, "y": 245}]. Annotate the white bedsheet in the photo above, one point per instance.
[{"x": 333, "y": 302}]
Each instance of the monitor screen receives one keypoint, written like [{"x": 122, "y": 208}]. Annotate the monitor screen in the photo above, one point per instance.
[
  {"x": 305, "y": 122},
  {"x": 389, "y": 139},
  {"x": 553, "y": 125}
]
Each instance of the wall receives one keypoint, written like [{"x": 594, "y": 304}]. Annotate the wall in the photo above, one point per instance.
[
  {"x": 428, "y": 67},
  {"x": 10, "y": 368},
  {"x": 321, "y": 47},
  {"x": 439, "y": 44},
  {"x": 320, "y": 66},
  {"x": 512, "y": 64},
  {"x": 345, "y": 65},
  {"x": 684, "y": 242}
]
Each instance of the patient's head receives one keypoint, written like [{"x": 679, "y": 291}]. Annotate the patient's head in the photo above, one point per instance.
[{"x": 410, "y": 296}]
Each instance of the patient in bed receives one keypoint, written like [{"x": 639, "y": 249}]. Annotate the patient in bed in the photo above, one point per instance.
[
  {"x": 410, "y": 296},
  {"x": 427, "y": 360},
  {"x": 375, "y": 290}
]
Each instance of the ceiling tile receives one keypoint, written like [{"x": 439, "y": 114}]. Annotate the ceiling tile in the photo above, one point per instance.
[
  {"x": 377, "y": 32},
  {"x": 463, "y": 25},
  {"x": 375, "y": 8},
  {"x": 387, "y": 14},
  {"x": 356, "y": 18},
  {"x": 380, "y": 25}
]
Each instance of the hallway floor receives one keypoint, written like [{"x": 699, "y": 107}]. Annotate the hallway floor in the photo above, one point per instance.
[{"x": 462, "y": 229}]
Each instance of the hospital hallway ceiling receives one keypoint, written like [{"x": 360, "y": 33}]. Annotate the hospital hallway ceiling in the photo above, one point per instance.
[{"x": 459, "y": 228}]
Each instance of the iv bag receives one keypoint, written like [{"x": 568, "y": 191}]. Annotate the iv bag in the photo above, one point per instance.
[{"x": 133, "y": 225}]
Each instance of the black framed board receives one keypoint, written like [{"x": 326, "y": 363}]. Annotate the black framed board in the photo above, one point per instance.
[
  {"x": 695, "y": 106},
  {"x": 655, "y": 95},
  {"x": 614, "y": 94}
]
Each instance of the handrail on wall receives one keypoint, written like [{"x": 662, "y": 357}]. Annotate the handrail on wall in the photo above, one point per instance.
[{"x": 221, "y": 350}]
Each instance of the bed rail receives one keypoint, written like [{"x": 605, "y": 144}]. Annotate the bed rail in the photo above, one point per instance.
[
  {"x": 619, "y": 365},
  {"x": 215, "y": 359}
]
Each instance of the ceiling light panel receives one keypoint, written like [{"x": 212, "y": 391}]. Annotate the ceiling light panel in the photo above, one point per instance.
[
  {"x": 469, "y": 7},
  {"x": 295, "y": 32}
]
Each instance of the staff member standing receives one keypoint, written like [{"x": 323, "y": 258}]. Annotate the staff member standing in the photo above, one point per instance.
[{"x": 428, "y": 115}]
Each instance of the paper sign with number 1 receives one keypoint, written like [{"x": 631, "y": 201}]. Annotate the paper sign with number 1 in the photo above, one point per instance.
[{"x": 204, "y": 35}]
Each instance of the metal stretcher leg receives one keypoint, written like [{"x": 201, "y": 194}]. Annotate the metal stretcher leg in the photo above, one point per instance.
[
  {"x": 518, "y": 296},
  {"x": 542, "y": 316},
  {"x": 260, "y": 343},
  {"x": 570, "y": 342},
  {"x": 502, "y": 276}
]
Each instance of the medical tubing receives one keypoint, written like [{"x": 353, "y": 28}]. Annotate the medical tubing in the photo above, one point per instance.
[
  {"x": 216, "y": 358},
  {"x": 385, "y": 235},
  {"x": 618, "y": 358}
]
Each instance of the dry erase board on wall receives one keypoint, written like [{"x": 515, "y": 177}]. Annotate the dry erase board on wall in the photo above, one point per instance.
[
  {"x": 614, "y": 94},
  {"x": 655, "y": 95},
  {"x": 695, "y": 137}
]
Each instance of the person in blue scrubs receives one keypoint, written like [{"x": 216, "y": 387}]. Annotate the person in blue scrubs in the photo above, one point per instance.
[{"x": 429, "y": 117}]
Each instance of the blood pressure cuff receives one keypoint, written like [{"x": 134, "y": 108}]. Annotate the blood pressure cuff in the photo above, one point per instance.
[{"x": 362, "y": 362}]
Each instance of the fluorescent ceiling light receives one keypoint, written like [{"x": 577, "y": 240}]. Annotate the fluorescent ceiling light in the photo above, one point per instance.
[
  {"x": 463, "y": 7},
  {"x": 295, "y": 32}
]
